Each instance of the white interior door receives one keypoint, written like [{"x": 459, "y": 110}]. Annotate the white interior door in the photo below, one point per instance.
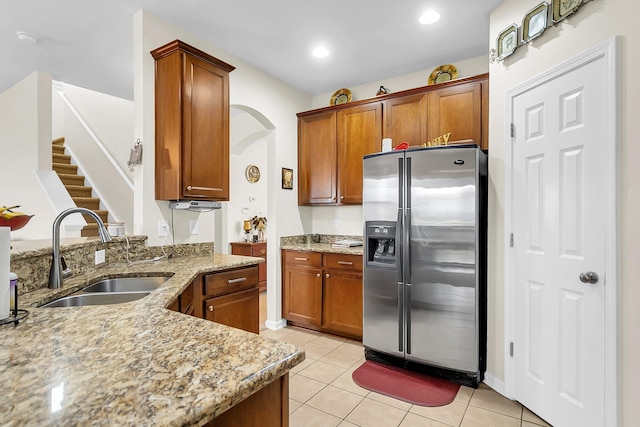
[{"x": 559, "y": 209}]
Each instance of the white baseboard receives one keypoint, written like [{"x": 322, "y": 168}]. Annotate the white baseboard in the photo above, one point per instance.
[
  {"x": 494, "y": 383},
  {"x": 274, "y": 326}
]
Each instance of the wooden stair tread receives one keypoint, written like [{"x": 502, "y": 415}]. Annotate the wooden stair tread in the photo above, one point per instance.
[
  {"x": 61, "y": 159},
  {"x": 74, "y": 183}
]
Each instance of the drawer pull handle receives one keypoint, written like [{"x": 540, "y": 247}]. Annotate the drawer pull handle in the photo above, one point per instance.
[
  {"x": 239, "y": 279},
  {"x": 345, "y": 262},
  {"x": 191, "y": 187},
  {"x": 301, "y": 259}
]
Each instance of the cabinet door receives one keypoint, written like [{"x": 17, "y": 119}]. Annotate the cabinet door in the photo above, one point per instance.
[
  {"x": 206, "y": 131},
  {"x": 456, "y": 110},
  {"x": 405, "y": 119},
  {"x": 342, "y": 305},
  {"x": 317, "y": 161},
  {"x": 302, "y": 295},
  {"x": 359, "y": 133},
  {"x": 239, "y": 310}
]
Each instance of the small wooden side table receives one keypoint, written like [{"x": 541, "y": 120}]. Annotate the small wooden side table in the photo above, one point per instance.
[{"x": 259, "y": 250}]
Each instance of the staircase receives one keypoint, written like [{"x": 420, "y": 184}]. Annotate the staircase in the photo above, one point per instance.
[{"x": 74, "y": 184}]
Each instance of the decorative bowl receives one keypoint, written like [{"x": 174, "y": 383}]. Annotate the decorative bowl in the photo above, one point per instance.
[{"x": 15, "y": 222}]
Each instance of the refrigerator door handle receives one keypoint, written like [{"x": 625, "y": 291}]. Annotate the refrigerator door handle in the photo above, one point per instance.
[
  {"x": 399, "y": 255},
  {"x": 406, "y": 244},
  {"x": 407, "y": 305}
]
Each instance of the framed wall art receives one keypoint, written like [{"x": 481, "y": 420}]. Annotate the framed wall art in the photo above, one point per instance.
[
  {"x": 507, "y": 42},
  {"x": 287, "y": 179},
  {"x": 560, "y": 9},
  {"x": 535, "y": 22}
]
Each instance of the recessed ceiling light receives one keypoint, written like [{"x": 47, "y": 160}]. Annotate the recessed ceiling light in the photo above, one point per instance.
[
  {"x": 429, "y": 17},
  {"x": 320, "y": 52},
  {"x": 26, "y": 37}
]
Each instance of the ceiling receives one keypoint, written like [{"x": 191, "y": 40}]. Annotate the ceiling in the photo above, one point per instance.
[{"x": 89, "y": 43}]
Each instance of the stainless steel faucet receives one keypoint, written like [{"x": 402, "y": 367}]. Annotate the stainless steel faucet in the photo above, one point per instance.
[{"x": 56, "y": 274}]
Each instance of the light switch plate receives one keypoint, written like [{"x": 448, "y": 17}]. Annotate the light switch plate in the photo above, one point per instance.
[
  {"x": 163, "y": 228},
  {"x": 100, "y": 257},
  {"x": 193, "y": 226}
]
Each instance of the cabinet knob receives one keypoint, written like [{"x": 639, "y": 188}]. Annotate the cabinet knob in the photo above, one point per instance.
[
  {"x": 318, "y": 275},
  {"x": 210, "y": 308},
  {"x": 327, "y": 276},
  {"x": 341, "y": 197}
]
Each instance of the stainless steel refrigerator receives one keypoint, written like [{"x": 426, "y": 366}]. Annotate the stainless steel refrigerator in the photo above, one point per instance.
[{"x": 425, "y": 267}]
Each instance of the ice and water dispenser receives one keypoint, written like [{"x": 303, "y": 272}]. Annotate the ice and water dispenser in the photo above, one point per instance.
[{"x": 381, "y": 243}]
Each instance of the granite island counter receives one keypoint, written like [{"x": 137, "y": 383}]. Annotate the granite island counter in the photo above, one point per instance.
[{"x": 136, "y": 363}]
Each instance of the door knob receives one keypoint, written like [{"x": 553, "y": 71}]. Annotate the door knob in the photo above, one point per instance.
[{"x": 589, "y": 277}]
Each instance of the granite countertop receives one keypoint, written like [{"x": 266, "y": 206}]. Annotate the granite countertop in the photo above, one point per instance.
[
  {"x": 322, "y": 247},
  {"x": 136, "y": 363}
]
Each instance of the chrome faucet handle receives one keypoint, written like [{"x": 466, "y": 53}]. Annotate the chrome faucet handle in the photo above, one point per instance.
[{"x": 66, "y": 271}]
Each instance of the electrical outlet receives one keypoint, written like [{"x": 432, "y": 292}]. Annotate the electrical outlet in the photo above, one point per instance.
[
  {"x": 163, "y": 228},
  {"x": 193, "y": 226},
  {"x": 100, "y": 256}
]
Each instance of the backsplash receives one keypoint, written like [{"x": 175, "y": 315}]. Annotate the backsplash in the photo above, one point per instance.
[
  {"x": 32, "y": 266},
  {"x": 321, "y": 238}
]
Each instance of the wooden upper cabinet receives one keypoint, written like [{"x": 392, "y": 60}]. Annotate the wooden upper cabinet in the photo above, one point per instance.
[
  {"x": 332, "y": 140},
  {"x": 405, "y": 119},
  {"x": 456, "y": 110},
  {"x": 359, "y": 133},
  {"x": 317, "y": 159},
  {"x": 192, "y": 124}
]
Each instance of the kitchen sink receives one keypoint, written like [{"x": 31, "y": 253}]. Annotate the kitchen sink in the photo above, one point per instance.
[
  {"x": 96, "y": 299},
  {"x": 111, "y": 291},
  {"x": 127, "y": 284}
]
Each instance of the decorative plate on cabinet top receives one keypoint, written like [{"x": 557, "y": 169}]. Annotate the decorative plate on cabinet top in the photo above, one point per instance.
[
  {"x": 443, "y": 73},
  {"x": 252, "y": 173},
  {"x": 341, "y": 96}
]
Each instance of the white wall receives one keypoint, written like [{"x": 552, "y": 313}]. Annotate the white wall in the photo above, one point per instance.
[
  {"x": 466, "y": 68},
  {"x": 25, "y": 144},
  {"x": 110, "y": 127},
  {"x": 248, "y": 146},
  {"x": 594, "y": 23}
]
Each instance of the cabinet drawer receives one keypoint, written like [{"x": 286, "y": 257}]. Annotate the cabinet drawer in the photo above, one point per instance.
[
  {"x": 230, "y": 281},
  {"x": 312, "y": 259},
  {"x": 259, "y": 251},
  {"x": 351, "y": 262}
]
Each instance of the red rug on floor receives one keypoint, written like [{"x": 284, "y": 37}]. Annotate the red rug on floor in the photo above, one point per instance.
[{"x": 411, "y": 387}]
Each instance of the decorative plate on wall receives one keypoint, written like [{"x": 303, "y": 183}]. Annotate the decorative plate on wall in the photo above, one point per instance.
[
  {"x": 443, "y": 73},
  {"x": 341, "y": 96},
  {"x": 252, "y": 173},
  {"x": 507, "y": 42},
  {"x": 535, "y": 22}
]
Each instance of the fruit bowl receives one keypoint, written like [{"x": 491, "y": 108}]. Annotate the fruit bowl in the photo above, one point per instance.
[{"x": 15, "y": 222}]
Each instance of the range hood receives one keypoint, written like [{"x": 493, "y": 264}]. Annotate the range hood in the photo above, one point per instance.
[{"x": 194, "y": 205}]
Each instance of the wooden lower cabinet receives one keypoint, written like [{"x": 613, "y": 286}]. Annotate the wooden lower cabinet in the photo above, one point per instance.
[
  {"x": 323, "y": 292},
  {"x": 239, "y": 310},
  {"x": 268, "y": 407},
  {"x": 340, "y": 312},
  {"x": 303, "y": 295},
  {"x": 230, "y": 297}
]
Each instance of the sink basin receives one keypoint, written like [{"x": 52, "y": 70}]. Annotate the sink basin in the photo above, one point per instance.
[
  {"x": 96, "y": 299},
  {"x": 127, "y": 284}
]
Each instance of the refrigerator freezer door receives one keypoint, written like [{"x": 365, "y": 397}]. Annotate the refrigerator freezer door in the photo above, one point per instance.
[
  {"x": 383, "y": 328},
  {"x": 442, "y": 297}
]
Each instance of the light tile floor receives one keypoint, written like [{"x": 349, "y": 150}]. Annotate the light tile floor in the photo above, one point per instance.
[{"x": 322, "y": 393}]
